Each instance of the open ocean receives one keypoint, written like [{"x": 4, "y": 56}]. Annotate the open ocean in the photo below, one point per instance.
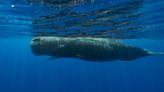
[{"x": 138, "y": 23}]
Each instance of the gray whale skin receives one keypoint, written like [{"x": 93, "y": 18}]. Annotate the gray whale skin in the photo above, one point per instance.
[{"x": 87, "y": 48}]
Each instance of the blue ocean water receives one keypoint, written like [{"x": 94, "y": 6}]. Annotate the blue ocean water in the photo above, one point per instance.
[{"x": 135, "y": 22}]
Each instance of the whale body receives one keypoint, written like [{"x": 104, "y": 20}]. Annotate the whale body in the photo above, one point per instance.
[{"x": 87, "y": 48}]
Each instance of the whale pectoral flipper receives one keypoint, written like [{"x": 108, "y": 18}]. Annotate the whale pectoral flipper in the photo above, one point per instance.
[{"x": 51, "y": 58}]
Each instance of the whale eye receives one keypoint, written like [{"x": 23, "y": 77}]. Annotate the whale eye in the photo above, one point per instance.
[{"x": 36, "y": 39}]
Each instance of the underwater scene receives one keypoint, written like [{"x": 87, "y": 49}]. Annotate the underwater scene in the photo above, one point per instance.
[{"x": 81, "y": 45}]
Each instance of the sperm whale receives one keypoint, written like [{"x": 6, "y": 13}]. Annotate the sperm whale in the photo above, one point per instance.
[{"x": 87, "y": 48}]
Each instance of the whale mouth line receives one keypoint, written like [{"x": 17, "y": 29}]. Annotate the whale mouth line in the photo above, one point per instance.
[{"x": 36, "y": 39}]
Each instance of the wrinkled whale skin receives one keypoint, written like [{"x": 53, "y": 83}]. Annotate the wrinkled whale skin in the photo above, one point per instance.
[{"x": 86, "y": 48}]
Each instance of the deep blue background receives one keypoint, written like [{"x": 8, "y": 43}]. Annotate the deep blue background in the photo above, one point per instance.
[{"x": 21, "y": 71}]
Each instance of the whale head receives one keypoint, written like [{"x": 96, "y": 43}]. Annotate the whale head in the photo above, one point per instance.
[
  {"x": 43, "y": 46},
  {"x": 37, "y": 46}
]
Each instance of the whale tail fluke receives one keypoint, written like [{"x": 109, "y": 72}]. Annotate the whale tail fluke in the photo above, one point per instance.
[{"x": 154, "y": 53}]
